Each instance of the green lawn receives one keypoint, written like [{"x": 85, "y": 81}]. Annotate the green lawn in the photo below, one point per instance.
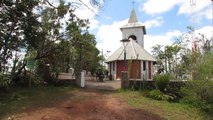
[{"x": 167, "y": 110}]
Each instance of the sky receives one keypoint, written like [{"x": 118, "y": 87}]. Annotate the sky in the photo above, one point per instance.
[{"x": 164, "y": 20}]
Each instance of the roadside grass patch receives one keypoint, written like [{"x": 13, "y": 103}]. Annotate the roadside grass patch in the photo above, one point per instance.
[
  {"x": 165, "y": 109},
  {"x": 19, "y": 99}
]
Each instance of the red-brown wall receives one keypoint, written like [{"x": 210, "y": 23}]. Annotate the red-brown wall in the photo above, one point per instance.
[
  {"x": 134, "y": 67},
  {"x": 149, "y": 70},
  {"x": 135, "y": 70},
  {"x": 120, "y": 67}
]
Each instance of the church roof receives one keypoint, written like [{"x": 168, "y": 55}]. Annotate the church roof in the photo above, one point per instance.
[{"x": 133, "y": 52}]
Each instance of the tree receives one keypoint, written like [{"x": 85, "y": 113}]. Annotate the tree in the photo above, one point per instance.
[
  {"x": 16, "y": 18},
  {"x": 37, "y": 28},
  {"x": 158, "y": 52}
]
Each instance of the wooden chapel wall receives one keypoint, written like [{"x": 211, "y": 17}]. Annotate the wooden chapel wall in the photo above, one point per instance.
[{"x": 135, "y": 70}]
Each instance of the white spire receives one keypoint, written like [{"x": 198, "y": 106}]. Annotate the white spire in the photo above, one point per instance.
[{"x": 133, "y": 17}]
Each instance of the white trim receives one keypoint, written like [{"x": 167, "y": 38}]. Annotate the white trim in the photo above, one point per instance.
[
  {"x": 115, "y": 71},
  {"x": 142, "y": 69}
]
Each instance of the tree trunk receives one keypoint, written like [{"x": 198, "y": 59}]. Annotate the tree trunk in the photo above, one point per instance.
[{"x": 15, "y": 75}]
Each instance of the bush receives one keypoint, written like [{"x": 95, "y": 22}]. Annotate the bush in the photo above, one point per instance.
[
  {"x": 199, "y": 93},
  {"x": 162, "y": 81},
  {"x": 174, "y": 88},
  {"x": 5, "y": 80},
  {"x": 158, "y": 95}
]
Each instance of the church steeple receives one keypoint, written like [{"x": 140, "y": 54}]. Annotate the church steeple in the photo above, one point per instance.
[
  {"x": 133, "y": 17},
  {"x": 134, "y": 29}
]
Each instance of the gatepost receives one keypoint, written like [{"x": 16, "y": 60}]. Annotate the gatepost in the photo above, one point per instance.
[
  {"x": 82, "y": 84},
  {"x": 81, "y": 80},
  {"x": 124, "y": 79}
]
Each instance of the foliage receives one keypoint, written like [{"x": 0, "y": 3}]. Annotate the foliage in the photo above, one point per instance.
[
  {"x": 158, "y": 52},
  {"x": 5, "y": 80},
  {"x": 203, "y": 70},
  {"x": 181, "y": 60},
  {"x": 199, "y": 93},
  {"x": 166, "y": 57},
  {"x": 17, "y": 23},
  {"x": 158, "y": 95},
  {"x": 41, "y": 31},
  {"x": 167, "y": 110},
  {"x": 161, "y": 81},
  {"x": 174, "y": 89}
]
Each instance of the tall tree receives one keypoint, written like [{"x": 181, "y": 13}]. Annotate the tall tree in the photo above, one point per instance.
[
  {"x": 41, "y": 30},
  {"x": 16, "y": 17}
]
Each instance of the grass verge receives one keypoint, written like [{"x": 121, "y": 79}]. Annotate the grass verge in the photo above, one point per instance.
[
  {"x": 21, "y": 99},
  {"x": 166, "y": 110}
]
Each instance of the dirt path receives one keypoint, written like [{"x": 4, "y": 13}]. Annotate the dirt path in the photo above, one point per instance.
[
  {"x": 106, "y": 85},
  {"x": 87, "y": 104}
]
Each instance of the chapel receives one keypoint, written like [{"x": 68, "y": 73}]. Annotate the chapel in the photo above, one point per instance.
[{"x": 132, "y": 56}]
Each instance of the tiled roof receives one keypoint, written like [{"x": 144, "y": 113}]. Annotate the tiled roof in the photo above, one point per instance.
[{"x": 133, "y": 52}]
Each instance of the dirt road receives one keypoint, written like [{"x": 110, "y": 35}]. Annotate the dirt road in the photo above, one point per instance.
[{"x": 87, "y": 104}]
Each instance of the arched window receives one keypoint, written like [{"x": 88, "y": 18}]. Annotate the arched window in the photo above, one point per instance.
[{"x": 133, "y": 37}]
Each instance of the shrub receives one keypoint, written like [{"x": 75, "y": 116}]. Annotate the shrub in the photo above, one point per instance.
[
  {"x": 199, "y": 93},
  {"x": 5, "y": 80},
  {"x": 158, "y": 95},
  {"x": 162, "y": 81}
]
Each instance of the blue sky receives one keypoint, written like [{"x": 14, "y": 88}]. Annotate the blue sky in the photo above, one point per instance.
[{"x": 163, "y": 19}]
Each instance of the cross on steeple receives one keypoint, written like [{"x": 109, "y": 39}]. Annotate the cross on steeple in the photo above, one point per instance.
[{"x": 133, "y": 3}]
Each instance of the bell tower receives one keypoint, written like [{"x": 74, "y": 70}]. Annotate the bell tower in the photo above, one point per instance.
[{"x": 134, "y": 30}]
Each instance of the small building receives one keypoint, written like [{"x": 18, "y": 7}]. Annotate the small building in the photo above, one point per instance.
[{"x": 132, "y": 56}]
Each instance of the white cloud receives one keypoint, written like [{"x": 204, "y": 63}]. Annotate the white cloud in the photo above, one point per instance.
[
  {"x": 154, "y": 23},
  {"x": 93, "y": 24},
  {"x": 206, "y": 30},
  {"x": 209, "y": 16},
  {"x": 87, "y": 12},
  {"x": 109, "y": 36},
  {"x": 152, "y": 7},
  {"x": 201, "y": 9},
  {"x": 198, "y": 6},
  {"x": 165, "y": 39}
]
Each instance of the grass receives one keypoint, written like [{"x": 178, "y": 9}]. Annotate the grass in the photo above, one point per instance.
[
  {"x": 166, "y": 110},
  {"x": 20, "y": 99}
]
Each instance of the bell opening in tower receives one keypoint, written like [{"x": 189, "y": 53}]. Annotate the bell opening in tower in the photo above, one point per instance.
[{"x": 133, "y": 37}]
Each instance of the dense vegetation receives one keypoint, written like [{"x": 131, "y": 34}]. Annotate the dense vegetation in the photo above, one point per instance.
[
  {"x": 193, "y": 65},
  {"x": 48, "y": 35},
  {"x": 165, "y": 109}
]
